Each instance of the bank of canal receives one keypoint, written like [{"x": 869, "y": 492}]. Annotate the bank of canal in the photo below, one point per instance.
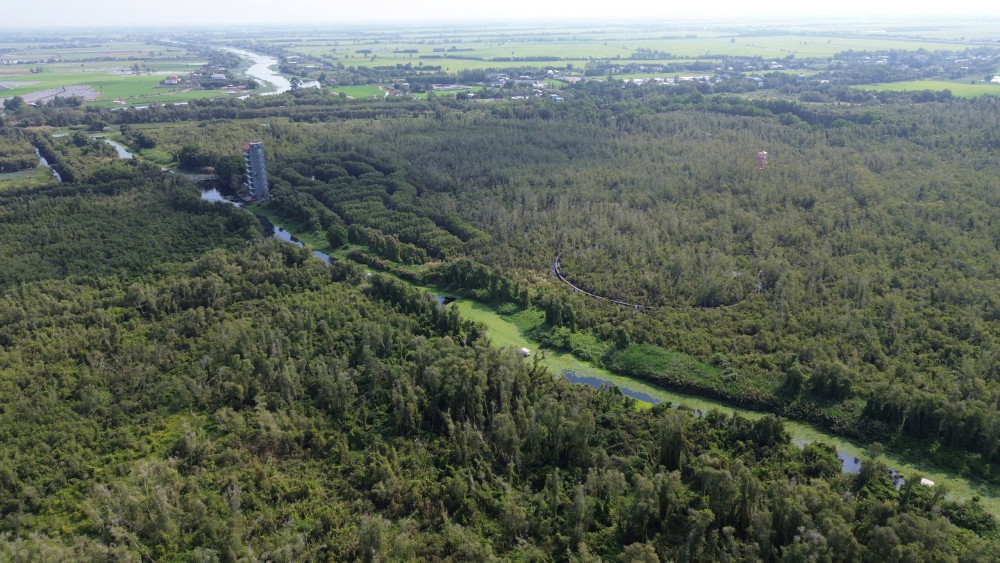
[{"x": 504, "y": 332}]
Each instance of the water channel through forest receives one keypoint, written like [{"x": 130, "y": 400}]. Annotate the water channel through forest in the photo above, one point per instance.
[
  {"x": 503, "y": 331},
  {"x": 45, "y": 163}
]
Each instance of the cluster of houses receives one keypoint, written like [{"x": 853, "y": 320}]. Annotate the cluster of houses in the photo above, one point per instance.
[
  {"x": 923, "y": 64},
  {"x": 501, "y": 80},
  {"x": 214, "y": 77}
]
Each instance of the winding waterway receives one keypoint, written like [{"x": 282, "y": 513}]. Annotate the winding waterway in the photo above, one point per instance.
[
  {"x": 504, "y": 332},
  {"x": 122, "y": 153},
  {"x": 45, "y": 163},
  {"x": 261, "y": 69}
]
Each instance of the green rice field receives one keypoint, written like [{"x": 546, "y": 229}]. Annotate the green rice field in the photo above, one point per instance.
[
  {"x": 118, "y": 69},
  {"x": 960, "y": 89},
  {"x": 103, "y": 64},
  {"x": 474, "y": 48},
  {"x": 360, "y": 91}
]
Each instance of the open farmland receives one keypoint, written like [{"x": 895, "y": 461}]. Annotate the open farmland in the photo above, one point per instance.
[
  {"x": 30, "y": 50},
  {"x": 960, "y": 89},
  {"x": 359, "y": 91},
  {"x": 111, "y": 84},
  {"x": 120, "y": 69},
  {"x": 129, "y": 69},
  {"x": 473, "y": 47}
]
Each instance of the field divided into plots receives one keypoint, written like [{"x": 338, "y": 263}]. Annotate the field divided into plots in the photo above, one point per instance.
[{"x": 127, "y": 70}]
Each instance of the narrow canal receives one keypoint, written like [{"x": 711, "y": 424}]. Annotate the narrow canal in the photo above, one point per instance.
[{"x": 45, "y": 163}]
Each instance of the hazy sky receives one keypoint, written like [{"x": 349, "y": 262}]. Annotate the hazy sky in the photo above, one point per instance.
[{"x": 62, "y": 13}]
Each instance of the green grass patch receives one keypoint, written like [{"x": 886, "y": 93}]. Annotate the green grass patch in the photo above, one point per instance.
[
  {"x": 657, "y": 364},
  {"x": 959, "y": 89},
  {"x": 165, "y": 97},
  {"x": 586, "y": 346},
  {"x": 527, "y": 319},
  {"x": 795, "y": 72},
  {"x": 360, "y": 91},
  {"x": 35, "y": 178},
  {"x": 159, "y": 156},
  {"x": 110, "y": 85},
  {"x": 502, "y": 332}
]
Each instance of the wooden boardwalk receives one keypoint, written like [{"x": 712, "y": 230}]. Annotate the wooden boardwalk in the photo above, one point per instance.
[{"x": 558, "y": 274}]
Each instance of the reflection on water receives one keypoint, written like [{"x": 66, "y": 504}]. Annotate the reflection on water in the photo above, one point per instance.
[
  {"x": 261, "y": 70},
  {"x": 45, "y": 163},
  {"x": 270, "y": 229},
  {"x": 597, "y": 383},
  {"x": 122, "y": 153},
  {"x": 285, "y": 236},
  {"x": 288, "y": 237},
  {"x": 215, "y": 195},
  {"x": 848, "y": 463},
  {"x": 442, "y": 300}
]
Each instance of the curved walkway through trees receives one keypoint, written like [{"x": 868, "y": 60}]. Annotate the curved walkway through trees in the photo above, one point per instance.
[{"x": 556, "y": 273}]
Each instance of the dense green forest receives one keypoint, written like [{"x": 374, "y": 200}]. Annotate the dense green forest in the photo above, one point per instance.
[
  {"x": 16, "y": 152},
  {"x": 175, "y": 387},
  {"x": 849, "y": 283}
]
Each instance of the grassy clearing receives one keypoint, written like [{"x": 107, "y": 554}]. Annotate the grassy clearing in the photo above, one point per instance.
[
  {"x": 808, "y": 46},
  {"x": 667, "y": 75},
  {"x": 113, "y": 51},
  {"x": 164, "y": 96},
  {"x": 101, "y": 81},
  {"x": 36, "y": 178},
  {"x": 654, "y": 363},
  {"x": 512, "y": 331},
  {"x": 360, "y": 91},
  {"x": 959, "y": 89},
  {"x": 795, "y": 72},
  {"x": 159, "y": 156},
  {"x": 453, "y": 65},
  {"x": 109, "y": 85}
]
